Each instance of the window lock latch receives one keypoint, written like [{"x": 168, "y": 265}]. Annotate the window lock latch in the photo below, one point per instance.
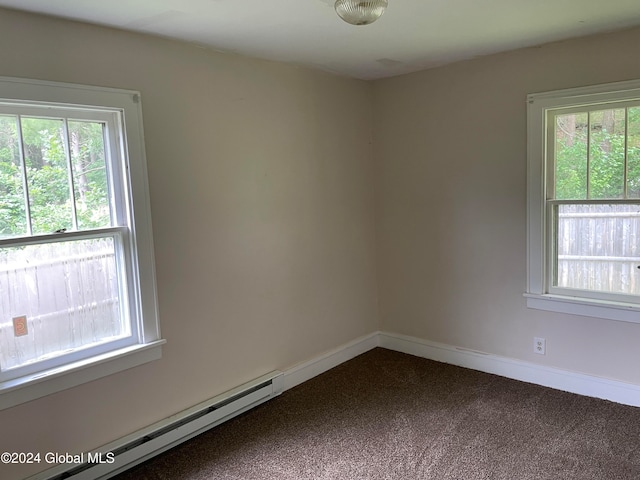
[{"x": 61, "y": 230}]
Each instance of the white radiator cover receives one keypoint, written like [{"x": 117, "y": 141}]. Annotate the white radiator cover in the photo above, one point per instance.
[{"x": 159, "y": 437}]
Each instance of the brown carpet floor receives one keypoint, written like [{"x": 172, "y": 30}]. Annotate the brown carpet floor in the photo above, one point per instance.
[{"x": 387, "y": 415}]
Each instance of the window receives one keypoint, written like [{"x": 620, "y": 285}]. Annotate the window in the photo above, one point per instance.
[
  {"x": 77, "y": 286},
  {"x": 584, "y": 201}
]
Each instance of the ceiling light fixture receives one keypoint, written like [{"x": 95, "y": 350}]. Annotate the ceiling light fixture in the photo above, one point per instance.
[{"x": 360, "y": 12}]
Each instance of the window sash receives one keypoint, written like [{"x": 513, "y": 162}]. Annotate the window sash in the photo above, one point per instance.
[
  {"x": 128, "y": 315},
  {"x": 552, "y": 255},
  {"x": 117, "y": 170},
  {"x": 550, "y": 143},
  {"x": 61, "y": 237}
]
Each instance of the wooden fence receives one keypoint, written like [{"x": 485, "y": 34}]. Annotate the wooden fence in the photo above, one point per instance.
[
  {"x": 69, "y": 293},
  {"x": 598, "y": 248}
]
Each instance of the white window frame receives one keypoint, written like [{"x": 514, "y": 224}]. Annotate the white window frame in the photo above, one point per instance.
[
  {"x": 146, "y": 343},
  {"x": 540, "y": 294}
]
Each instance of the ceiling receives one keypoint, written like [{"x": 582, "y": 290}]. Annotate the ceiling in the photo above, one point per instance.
[{"x": 412, "y": 35}]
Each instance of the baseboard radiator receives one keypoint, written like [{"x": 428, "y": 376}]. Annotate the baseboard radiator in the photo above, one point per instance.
[{"x": 142, "y": 445}]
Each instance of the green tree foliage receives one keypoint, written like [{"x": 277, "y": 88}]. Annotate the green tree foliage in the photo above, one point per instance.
[
  {"x": 571, "y": 157},
  {"x": 90, "y": 174},
  {"x": 12, "y": 213},
  {"x": 633, "y": 154},
  {"x": 47, "y": 150},
  {"x": 592, "y": 166}
]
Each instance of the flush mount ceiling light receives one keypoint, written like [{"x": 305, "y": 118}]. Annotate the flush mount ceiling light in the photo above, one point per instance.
[{"x": 360, "y": 12}]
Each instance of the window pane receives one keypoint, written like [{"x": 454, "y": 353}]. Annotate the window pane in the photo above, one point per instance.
[
  {"x": 68, "y": 292},
  {"x": 633, "y": 154},
  {"x": 571, "y": 156},
  {"x": 13, "y": 219},
  {"x": 89, "y": 174},
  {"x": 606, "y": 154},
  {"x": 47, "y": 175},
  {"x": 598, "y": 248}
]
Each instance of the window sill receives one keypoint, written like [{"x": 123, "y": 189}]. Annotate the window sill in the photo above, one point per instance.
[
  {"x": 30, "y": 387},
  {"x": 623, "y": 312}
]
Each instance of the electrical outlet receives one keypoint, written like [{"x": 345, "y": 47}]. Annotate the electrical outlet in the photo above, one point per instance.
[{"x": 539, "y": 346}]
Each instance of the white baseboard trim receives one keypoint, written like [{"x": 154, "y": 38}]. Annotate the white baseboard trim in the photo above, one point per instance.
[
  {"x": 307, "y": 370},
  {"x": 579, "y": 383},
  {"x": 616, "y": 391},
  {"x": 591, "y": 386}
]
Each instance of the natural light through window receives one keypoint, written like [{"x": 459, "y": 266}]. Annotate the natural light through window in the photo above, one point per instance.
[
  {"x": 597, "y": 160},
  {"x": 76, "y": 259},
  {"x": 584, "y": 201}
]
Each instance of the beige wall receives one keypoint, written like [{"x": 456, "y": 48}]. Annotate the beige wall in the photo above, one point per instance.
[
  {"x": 450, "y": 154},
  {"x": 262, "y": 195},
  {"x": 261, "y": 186}
]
